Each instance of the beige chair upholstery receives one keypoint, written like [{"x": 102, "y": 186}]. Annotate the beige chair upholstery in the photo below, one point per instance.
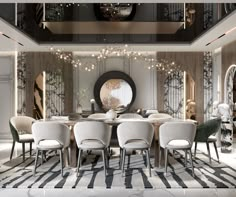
[
  {"x": 21, "y": 132},
  {"x": 101, "y": 116},
  {"x": 98, "y": 116},
  {"x": 130, "y": 115},
  {"x": 51, "y": 136},
  {"x": 162, "y": 117},
  {"x": 92, "y": 135},
  {"x": 135, "y": 136},
  {"x": 175, "y": 136}
]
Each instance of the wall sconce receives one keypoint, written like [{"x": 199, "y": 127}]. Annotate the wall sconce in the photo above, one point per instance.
[{"x": 92, "y": 101}]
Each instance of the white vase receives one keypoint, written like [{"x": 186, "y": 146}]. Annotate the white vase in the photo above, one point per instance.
[
  {"x": 79, "y": 109},
  {"x": 111, "y": 114}
]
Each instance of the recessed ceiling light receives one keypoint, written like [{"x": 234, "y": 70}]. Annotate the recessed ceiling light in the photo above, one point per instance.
[
  {"x": 11, "y": 38},
  {"x": 230, "y": 30}
]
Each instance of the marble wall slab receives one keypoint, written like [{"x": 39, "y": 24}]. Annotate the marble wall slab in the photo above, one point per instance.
[
  {"x": 208, "y": 85},
  {"x": 21, "y": 83}
]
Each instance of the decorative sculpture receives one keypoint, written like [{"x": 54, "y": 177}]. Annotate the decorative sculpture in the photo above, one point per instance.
[
  {"x": 226, "y": 128},
  {"x": 191, "y": 109},
  {"x": 215, "y": 111},
  {"x": 224, "y": 111}
]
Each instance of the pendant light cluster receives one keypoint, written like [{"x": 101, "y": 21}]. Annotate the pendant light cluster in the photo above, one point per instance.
[{"x": 149, "y": 61}]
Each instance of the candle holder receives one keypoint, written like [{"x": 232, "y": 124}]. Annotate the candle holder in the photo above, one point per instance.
[{"x": 92, "y": 101}]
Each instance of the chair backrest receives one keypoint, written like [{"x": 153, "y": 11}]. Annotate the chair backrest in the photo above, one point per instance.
[
  {"x": 97, "y": 116},
  {"x": 130, "y": 115},
  {"x": 160, "y": 115},
  {"x": 51, "y": 131},
  {"x": 20, "y": 124},
  {"x": 176, "y": 131},
  {"x": 206, "y": 129},
  {"x": 92, "y": 130},
  {"x": 128, "y": 131}
]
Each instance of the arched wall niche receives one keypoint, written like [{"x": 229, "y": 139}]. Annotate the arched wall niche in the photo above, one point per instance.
[
  {"x": 229, "y": 86},
  {"x": 193, "y": 64},
  {"x": 36, "y": 63},
  {"x": 228, "y": 58}
]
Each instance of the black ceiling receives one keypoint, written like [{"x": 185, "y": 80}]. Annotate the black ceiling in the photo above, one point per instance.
[{"x": 200, "y": 17}]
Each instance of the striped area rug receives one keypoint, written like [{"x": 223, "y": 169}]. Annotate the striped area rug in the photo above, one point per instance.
[{"x": 16, "y": 174}]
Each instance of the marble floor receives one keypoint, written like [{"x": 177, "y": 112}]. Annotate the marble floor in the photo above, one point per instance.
[{"x": 229, "y": 158}]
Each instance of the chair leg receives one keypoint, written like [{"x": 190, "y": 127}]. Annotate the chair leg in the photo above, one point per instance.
[
  {"x": 195, "y": 150},
  {"x": 36, "y": 161},
  {"x": 41, "y": 157},
  {"x": 166, "y": 158},
  {"x": 216, "y": 151},
  {"x": 148, "y": 162},
  {"x": 61, "y": 160},
  {"x": 121, "y": 157},
  {"x": 191, "y": 161},
  {"x": 159, "y": 164},
  {"x": 107, "y": 157},
  {"x": 30, "y": 149},
  {"x": 104, "y": 161},
  {"x": 185, "y": 159},
  {"x": 78, "y": 162},
  {"x": 67, "y": 155},
  {"x": 123, "y": 160},
  {"x": 12, "y": 149},
  {"x": 23, "y": 151},
  {"x": 209, "y": 153}
]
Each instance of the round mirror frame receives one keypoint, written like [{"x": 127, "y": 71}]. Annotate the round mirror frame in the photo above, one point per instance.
[{"x": 113, "y": 75}]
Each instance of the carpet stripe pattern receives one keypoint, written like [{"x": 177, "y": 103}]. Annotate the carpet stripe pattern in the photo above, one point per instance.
[{"x": 18, "y": 174}]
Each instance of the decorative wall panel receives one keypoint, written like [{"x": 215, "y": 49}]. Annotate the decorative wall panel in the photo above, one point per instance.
[
  {"x": 38, "y": 97},
  {"x": 21, "y": 83},
  {"x": 208, "y": 85},
  {"x": 55, "y": 94},
  {"x": 59, "y": 85},
  {"x": 84, "y": 81},
  {"x": 174, "y": 94}
]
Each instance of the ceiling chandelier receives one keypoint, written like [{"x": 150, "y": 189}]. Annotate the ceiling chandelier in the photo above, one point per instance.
[{"x": 150, "y": 62}]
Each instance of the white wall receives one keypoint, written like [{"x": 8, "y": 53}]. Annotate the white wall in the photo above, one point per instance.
[
  {"x": 6, "y": 94},
  {"x": 144, "y": 79}
]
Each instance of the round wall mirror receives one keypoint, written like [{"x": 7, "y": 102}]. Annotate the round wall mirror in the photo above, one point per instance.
[{"x": 115, "y": 90}]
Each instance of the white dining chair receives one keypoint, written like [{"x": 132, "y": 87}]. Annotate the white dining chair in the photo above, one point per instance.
[
  {"x": 98, "y": 116},
  {"x": 20, "y": 127},
  {"x": 130, "y": 116},
  {"x": 160, "y": 116},
  {"x": 135, "y": 136},
  {"x": 92, "y": 135},
  {"x": 51, "y": 136},
  {"x": 177, "y": 136}
]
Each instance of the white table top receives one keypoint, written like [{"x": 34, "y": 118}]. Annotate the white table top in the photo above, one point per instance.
[{"x": 117, "y": 121}]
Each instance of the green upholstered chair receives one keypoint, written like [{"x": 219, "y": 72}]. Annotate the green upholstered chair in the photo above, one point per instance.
[
  {"x": 206, "y": 133},
  {"x": 20, "y": 127}
]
